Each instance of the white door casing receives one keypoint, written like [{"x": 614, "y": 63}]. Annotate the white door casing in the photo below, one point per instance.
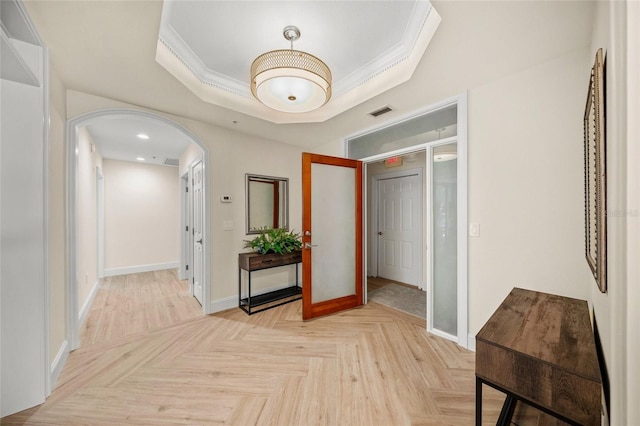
[
  {"x": 400, "y": 228},
  {"x": 197, "y": 184}
]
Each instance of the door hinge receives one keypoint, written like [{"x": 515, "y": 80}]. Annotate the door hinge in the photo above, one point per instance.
[
  {"x": 187, "y": 228},
  {"x": 187, "y": 267},
  {"x": 186, "y": 189}
]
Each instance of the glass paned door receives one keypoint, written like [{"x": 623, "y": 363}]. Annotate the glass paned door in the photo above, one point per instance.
[
  {"x": 332, "y": 234},
  {"x": 444, "y": 220}
]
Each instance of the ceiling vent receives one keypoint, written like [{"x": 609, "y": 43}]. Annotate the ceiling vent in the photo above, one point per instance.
[
  {"x": 379, "y": 112},
  {"x": 171, "y": 162}
]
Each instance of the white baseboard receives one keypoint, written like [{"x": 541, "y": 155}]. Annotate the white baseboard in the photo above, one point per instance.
[
  {"x": 223, "y": 304},
  {"x": 471, "y": 342},
  {"x": 58, "y": 363},
  {"x": 140, "y": 268},
  {"x": 87, "y": 303}
]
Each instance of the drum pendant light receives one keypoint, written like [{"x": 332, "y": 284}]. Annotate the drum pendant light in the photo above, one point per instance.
[{"x": 290, "y": 80}]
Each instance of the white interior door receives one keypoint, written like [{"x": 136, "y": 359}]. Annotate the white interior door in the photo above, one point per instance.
[
  {"x": 100, "y": 218},
  {"x": 198, "y": 229},
  {"x": 186, "y": 247},
  {"x": 400, "y": 229}
]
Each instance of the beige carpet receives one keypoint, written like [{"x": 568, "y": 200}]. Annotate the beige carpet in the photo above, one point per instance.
[{"x": 403, "y": 298}]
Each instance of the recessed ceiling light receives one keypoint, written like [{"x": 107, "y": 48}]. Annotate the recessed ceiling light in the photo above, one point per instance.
[
  {"x": 143, "y": 136},
  {"x": 140, "y": 158}
]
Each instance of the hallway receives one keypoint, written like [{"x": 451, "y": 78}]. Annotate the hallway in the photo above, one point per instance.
[{"x": 132, "y": 304}]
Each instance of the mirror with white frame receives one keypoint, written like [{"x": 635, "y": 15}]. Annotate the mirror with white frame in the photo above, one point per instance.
[{"x": 267, "y": 202}]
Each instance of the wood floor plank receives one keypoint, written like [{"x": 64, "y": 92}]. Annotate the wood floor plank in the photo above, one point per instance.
[
  {"x": 130, "y": 304},
  {"x": 150, "y": 357}
]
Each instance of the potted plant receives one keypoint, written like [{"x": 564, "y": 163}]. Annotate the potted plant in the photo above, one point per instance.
[{"x": 275, "y": 240}]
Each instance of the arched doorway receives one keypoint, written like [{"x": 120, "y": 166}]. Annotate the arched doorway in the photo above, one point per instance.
[{"x": 114, "y": 118}]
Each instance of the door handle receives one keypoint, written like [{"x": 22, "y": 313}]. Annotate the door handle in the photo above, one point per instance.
[
  {"x": 380, "y": 232},
  {"x": 199, "y": 241},
  {"x": 309, "y": 245}
]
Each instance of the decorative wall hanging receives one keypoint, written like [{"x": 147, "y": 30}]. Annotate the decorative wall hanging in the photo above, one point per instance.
[{"x": 595, "y": 182}]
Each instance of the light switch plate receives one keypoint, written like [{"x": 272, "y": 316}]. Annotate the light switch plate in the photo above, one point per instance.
[
  {"x": 227, "y": 225},
  {"x": 474, "y": 229}
]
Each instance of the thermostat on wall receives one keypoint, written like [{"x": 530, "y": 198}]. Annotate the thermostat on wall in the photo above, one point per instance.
[{"x": 225, "y": 198}]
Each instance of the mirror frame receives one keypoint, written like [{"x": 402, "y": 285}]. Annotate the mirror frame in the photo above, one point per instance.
[
  {"x": 595, "y": 179},
  {"x": 284, "y": 204}
]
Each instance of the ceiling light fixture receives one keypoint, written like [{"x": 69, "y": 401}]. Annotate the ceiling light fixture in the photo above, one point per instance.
[
  {"x": 143, "y": 136},
  {"x": 140, "y": 158},
  {"x": 290, "y": 80}
]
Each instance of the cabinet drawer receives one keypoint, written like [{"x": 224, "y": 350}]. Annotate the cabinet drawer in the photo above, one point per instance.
[
  {"x": 256, "y": 261},
  {"x": 266, "y": 261}
]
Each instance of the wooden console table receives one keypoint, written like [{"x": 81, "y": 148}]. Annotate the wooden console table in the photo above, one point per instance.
[
  {"x": 540, "y": 349},
  {"x": 251, "y": 262}
]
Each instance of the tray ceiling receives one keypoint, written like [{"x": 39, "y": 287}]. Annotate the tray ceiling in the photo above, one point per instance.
[{"x": 370, "y": 47}]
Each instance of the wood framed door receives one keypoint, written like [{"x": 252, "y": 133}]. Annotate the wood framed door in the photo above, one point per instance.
[{"x": 332, "y": 271}]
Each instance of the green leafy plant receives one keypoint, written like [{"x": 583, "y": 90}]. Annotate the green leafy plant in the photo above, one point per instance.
[{"x": 277, "y": 240}]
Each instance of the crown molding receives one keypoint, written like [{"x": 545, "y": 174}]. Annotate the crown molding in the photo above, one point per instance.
[{"x": 388, "y": 70}]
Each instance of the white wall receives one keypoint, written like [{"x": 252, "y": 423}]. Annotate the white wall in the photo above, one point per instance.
[
  {"x": 141, "y": 218},
  {"x": 616, "y": 31},
  {"x": 88, "y": 159},
  {"x": 187, "y": 157},
  {"x": 633, "y": 206},
  {"x": 232, "y": 156},
  {"x": 526, "y": 185}
]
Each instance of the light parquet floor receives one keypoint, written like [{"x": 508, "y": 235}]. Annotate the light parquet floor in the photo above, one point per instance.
[
  {"x": 137, "y": 303},
  {"x": 367, "y": 366}
]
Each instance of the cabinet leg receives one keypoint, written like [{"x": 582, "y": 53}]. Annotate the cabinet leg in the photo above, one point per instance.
[
  {"x": 478, "y": 401},
  {"x": 507, "y": 411}
]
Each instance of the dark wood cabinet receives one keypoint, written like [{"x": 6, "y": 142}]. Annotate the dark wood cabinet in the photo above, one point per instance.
[
  {"x": 250, "y": 262},
  {"x": 539, "y": 348}
]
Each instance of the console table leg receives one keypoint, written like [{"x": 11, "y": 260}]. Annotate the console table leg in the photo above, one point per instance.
[
  {"x": 507, "y": 411},
  {"x": 478, "y": 401}
]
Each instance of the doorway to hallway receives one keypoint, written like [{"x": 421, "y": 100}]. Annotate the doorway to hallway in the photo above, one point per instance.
[
  {"x": 440, "y": 131},
  {"x": 395, "y": 231},
  {"x": 151, "y": 235}
]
